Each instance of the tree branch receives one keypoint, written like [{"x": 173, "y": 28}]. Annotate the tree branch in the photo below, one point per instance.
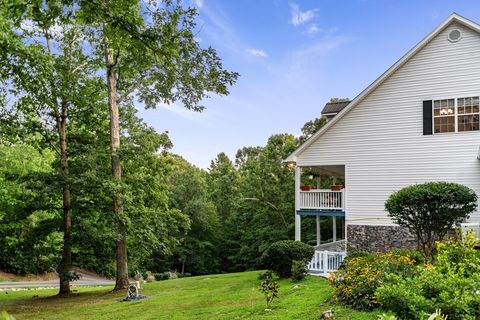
[{"x": 131, "y": 88}]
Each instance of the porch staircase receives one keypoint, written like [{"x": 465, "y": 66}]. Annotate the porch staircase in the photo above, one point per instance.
[{"x": 327, "y": 258}]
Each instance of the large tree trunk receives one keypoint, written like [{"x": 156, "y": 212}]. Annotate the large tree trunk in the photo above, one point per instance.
[
  {"x": 121, "y": 245},
  {"x": 61, "y": 116},
  {"x": 66, "y": 262}
]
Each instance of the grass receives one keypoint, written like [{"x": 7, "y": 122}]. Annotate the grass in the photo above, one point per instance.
[{"x": 227, "y": 296}]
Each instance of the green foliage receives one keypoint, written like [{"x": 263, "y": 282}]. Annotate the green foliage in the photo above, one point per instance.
[
  {"x": 299, "y": 270},
  {"x": 451, "y": 285},
  {"x": 162, "y": 276},
  {"x": 311, "y": 127},
  {"x": 29, "y": 239},
  {"x": 5, "y": 316},
  {"x": 357, "y": 280},
  {"x": 222, "y": 186},
  {"x": 281, "y": 255},
  {"x": 265, "y": 275},
  {"x": 386, "y": 317},
  {"x": 197, "y": 250},
  {"x": 264, "y": 205},
  {"x": 437, "y": 315},
  {"x": 430, "y": 210},
  {"x": 170, "y": 275},
  {"x": 269, "y": 287}
]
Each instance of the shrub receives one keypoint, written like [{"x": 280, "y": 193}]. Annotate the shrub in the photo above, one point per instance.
[
  {"x": 459, "y": 256},
  {"x": 414, "y": 255},
  {"x": 266, "y": 275},
  {"x": 5, "y": 316},
  {"x": 415, "y": 297},
  {"x": 166, "y": 275},
  {"x": 162, "y": 276},
  {"x": 270, "y": 290},
  {"x": 184, "y": 275},
  {"x": 356, "y": 282},
  {"x": 299, "y": 270},
  {"x": 430, "y": 210},
  {"x": 279, "y": 256},
  {"x": 452, "y": 285},
  {"x": 437, "y": 315},
  {"x": 150, "y": 277}
]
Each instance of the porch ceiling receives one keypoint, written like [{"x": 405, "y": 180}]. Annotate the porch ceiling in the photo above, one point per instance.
[{"x": 335, "y": 170}]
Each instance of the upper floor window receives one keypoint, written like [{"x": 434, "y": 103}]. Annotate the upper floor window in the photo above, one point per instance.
[
  {"x": 468, "y": 114},
  {"x": 456, "y": 115},
  {"x": 444, "y": 115}
]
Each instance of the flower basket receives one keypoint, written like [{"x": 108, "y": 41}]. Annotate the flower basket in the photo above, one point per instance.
[
  {"x": 336, "y": 187},
  {"x": 305, "y": 188}
]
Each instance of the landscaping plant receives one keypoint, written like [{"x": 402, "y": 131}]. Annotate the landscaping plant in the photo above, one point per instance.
[
  {"x": 299, "y": 270},
  {"x": 5, "y": 316},
  {"x": 282, "y": 254},
  {"x": 357, "y": 280},
  {"x": 269, "y": 287},
  {"x": 452, "y": 284},
  {"x": 430, "y": 210}
]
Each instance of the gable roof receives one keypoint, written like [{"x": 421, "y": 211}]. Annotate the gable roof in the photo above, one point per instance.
[
  {"x": 454, "y": 17},
  {"x": 334, "y": 107}
]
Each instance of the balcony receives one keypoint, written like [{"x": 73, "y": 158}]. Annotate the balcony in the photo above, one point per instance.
[{"x": 322, "y": 199}]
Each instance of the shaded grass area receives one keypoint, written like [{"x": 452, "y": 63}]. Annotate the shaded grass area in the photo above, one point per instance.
[{"x": 226, "y": 296}]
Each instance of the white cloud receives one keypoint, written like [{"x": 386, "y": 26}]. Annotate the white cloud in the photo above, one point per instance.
[
  {"x": 256, "y": 52},
  {"x": 198, "y": 3},
  {"x": 183, "y": 112},
  {"x": 301, "y": 17},
  {"x": 312, "y": 29}
]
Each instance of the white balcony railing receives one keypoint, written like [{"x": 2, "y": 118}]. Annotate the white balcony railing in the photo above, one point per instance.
[
  {"x": 322, "y": 199},
  {"x": 324, "y": 262}
]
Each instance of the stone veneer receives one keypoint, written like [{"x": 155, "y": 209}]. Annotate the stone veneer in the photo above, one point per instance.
[{"x": 379, "y": 238}]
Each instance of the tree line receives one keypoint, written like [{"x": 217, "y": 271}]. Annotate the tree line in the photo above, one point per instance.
[
  {"x": 67, "y": 64},
  {"x": 84, "y": 181}
]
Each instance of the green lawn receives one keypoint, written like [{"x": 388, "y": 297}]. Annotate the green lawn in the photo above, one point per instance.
[{"x": 227, "y": 296}]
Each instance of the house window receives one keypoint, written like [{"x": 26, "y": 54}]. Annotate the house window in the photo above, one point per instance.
[
  {"x": 468, "y": 114},
  {"x": 444, "y": 115}
]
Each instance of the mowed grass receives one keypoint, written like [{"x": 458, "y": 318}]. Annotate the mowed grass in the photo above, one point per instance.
[{"x": 226, "y": 296}]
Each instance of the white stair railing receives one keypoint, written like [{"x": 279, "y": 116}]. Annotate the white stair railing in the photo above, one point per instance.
[{"x": 326, "y": 261}]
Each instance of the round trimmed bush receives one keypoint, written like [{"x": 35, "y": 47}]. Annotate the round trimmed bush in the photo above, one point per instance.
[
  {"x": 279, "y": 256},
  {"x": 429, "y": 210}
]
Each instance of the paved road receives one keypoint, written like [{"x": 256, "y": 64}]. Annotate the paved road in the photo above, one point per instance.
[
  {"x": 53, "y": 283},
  {"x": 86, "y": 279}
]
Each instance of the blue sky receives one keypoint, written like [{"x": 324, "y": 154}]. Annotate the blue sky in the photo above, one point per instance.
[{"x": 293, "y": 56}]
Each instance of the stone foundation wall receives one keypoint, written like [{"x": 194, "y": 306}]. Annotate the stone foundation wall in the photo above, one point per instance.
[{"x": 379, "y": 238}]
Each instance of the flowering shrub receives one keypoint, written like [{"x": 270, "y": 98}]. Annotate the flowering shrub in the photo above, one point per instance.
[
  {"x": 357, "y": 280},
  {"x": 452, "y": 285}
]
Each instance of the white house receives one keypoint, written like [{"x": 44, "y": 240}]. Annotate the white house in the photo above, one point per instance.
[{"x": 418, "y": 122}]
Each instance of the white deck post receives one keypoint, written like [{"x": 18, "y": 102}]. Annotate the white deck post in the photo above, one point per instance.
[
  {"x": 318, "y": 232},
  {"x": 298, "y": 219},
  {"x": 325, "y": 262},
  {"x": 334, "y": 227}
]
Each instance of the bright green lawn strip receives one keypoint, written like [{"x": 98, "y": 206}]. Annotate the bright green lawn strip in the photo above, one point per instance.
[{"x": 228, "y": 296}]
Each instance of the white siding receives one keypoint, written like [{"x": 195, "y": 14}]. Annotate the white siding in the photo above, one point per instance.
[{"x": 381, "y": 140}]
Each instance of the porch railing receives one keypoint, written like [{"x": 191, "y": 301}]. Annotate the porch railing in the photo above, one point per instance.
[
  {"x": 322, "y": 199},
  {"x": 324, "y": 262}
]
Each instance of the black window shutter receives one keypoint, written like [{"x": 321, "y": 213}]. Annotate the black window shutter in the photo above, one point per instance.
[{"x": 427, "y": 117}]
